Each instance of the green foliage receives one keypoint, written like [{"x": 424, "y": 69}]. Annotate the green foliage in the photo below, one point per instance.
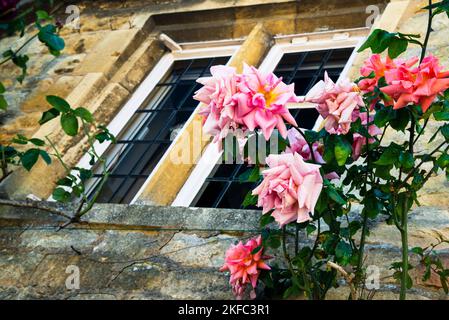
[
  {"x": 396, "y": 43},
  {"x": 342, "y": 150}
]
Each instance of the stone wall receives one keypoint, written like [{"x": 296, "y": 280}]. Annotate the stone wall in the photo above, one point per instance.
[
  {"x": 116, "y": 47},
  {"x": 143, "y": 252}
]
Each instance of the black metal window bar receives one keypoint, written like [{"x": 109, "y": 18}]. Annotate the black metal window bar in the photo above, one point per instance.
[
  {"x": 150, "y": 131},
  {"x": 222, "y": 189}
]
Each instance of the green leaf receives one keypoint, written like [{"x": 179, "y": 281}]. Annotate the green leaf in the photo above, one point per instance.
[
  {"x": 47, "y": 35},
  {"x": 29, "y": 158},
  {"x": 250, "y": 175},
  {"x": 396, "y": 47},
  {"x": 43, "y": 15},
  {"x": 250, "y": 200},
  {"x": 45, "y": 156},
  {"x": 310, "y": 229},
  {"x": 256, "y": 250},
  {"x": 389, "y": 156},
  {"x": 49, "y": 115},
  {"x": 37, "y": 142},
  {"x": 66, "y": 182},
  {"x": 59, "y": 103},
  {"x": 21, "y": 62},
  {"x": 441, "y": 116},
  {"x": 69, "y": 124},
  {"x": 265, "y": 220},
  {"x": 84, "y": 114},
  {"x": 3, "y": 103},
  {"x": 382, "y": 117},
  {"x": 2, "y": 88},
  {"x": 445, "y": 131},
  {"x": 59, "y": 194},
  {"x": 406, "y": 160},
  {"x": 334, "y": 195},
  {"x": 343, "y": 252},
  {"x": 443, "y": 161},
  {"x": 417, "y": 250},
  {"x": 342, "y": 150},
  {"x": 380, "y": 40},
  {"x": 400, "y": 120}
]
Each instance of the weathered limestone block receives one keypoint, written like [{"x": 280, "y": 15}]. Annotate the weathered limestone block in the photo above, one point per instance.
[
  {"x": 108, "y": 55},
  {"x": 133, "y": 71},
  {"x": 143, "y": 252}
]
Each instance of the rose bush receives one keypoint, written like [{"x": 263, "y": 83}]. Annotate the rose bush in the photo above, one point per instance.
[{"x": 302, "y": 190}]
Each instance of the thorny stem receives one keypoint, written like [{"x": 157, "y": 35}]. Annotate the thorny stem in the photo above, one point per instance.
[
  {"x": 58, "y": 155},
  {"x": 289, "y": 263},
  {"x": 404, "y": 242},
  {"x": 365, "y": 189},
  {"x": 429, "y": 29}
]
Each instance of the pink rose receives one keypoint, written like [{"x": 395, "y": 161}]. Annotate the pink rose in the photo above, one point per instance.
[
  {"x": 261, "y": 102},
  {"x": 290, "y": 186},
  {"x": 359, "y": 140},
  {"x": 418, "y": 86},
  {"x": 299, "y": 145},
  {"x": 245, "y": 266},
  {"x": 338, "y": 104},
  {"x": 217, "y": 95}
]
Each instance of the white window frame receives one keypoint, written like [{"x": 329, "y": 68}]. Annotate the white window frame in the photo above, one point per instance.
[
  {"x": 145, "y": 89},
  {"x": 284, "y": 44}
]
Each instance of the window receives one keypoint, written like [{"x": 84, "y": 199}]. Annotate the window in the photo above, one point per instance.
[
  {"x": 217, "y": 185},
  {"x": 150, "y": 121}
]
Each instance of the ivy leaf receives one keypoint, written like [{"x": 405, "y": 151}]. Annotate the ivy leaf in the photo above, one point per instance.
[
  {"x": 49, "y": 115},
  {"x": 21, "y": 62},
  {"x": 47, "y": 35},
  {"x": 59, "y": 194},
  {"x": 69, "y": 124},
  {"x": 342, "y": 150},
  {"x": 29, "y": 158},
  {"x": 58, "y": 103},
  {"x": 84, "y": 114},
  {"x": 37, "y": 142}
]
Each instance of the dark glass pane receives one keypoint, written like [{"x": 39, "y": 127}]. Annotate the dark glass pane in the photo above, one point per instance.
[
  {"x": 304, "y": 69},
  {"x": 151, "y": 129}
]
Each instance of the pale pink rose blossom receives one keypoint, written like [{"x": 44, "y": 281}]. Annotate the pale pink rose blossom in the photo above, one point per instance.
[
  {"x": 359, "y": 141},
  {"x": 299, "y": 145},
  {"x": 290, "y": 187},
  {"x": 338, "y": 104},
  {"x": 245, "y": 266},
  {"x": 219, "y": 106},
  {"x": 261, "y": 102}
]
